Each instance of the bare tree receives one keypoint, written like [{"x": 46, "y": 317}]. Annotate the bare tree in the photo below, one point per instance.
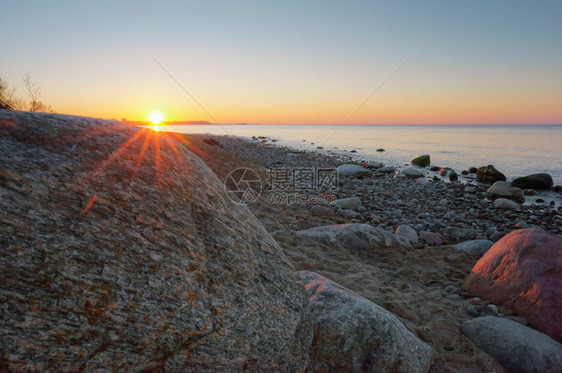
[{"x": 8, "y": 99}]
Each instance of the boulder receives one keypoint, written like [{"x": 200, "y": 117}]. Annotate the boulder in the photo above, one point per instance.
[
  {"x": 453, "y": 176},
  {"x": 502, "y": 189},
  {"x": 353, "y": 334},
  {"x": 354, "y": 237},
  {"x": 474, "y": 247},
  {"x": 374, "y": 164},
  {"x": 351, "y": 203},
  {"x": 489, "y": 175},
  {"x": 412, "y": 172},
  {"x": 386, "y": 169},
  {"x": 405, "y": 230},
  {"x": 422, "y": 181},
  {"x": 516, "y": 347},
  {"x": 422, "y": 161},
  {"x": 352, "y": 170},
  {"x": 523, "y": 271},
  {"x": 430, "y": 238},
  {"x": 210, "y": 141},
  {"x": 534, "y": 181},
  {"x": 319, "y": 210},
  {"x": 108, "y": 263},
  {"x": 472, "y": 170},
  {"x": 506, "y": 204},
  {"x": 456, "y": 234}
]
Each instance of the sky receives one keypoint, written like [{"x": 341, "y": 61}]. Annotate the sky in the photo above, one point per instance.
[{"x": 294, "y": 62}]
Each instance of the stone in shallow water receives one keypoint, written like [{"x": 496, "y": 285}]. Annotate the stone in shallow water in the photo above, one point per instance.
[
  {"x": 422, "y": 161},
  {"x": 534, "y": 181},
  {"x": 503, "y": 189},
  {"x": 352, "y": 170},
  {"x": 489, "y": 174}
]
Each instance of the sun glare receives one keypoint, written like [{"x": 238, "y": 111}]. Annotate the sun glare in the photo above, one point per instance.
[{"x": 155, "y": 118}]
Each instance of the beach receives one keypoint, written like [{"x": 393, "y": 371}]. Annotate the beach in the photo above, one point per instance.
[{"x": 422, "y": 285}]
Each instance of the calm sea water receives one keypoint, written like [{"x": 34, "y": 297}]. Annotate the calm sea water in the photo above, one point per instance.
[{"x": 514, "y": 150}]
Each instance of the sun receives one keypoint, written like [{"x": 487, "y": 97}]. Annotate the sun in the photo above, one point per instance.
[{"x": 155, "y": 118}]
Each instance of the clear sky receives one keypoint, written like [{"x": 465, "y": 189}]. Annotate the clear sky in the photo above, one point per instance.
[{"x": 473, "y": 62}]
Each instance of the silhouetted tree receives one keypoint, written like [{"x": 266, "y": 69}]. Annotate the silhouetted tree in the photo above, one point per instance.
[{"x": 33, "y": 91}]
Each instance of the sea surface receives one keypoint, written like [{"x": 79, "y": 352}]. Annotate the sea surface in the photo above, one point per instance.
[{"x": 513, "y": 150}]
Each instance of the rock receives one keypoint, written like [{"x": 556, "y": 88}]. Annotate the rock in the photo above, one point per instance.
[
  {"x": 472, "y": 311},
  {"x": 351, "y": 203},
  {"x": 521, "y": 224},
  {"x": 456, "y": 234},
  {"x": 210, "y": 141},
  {"x": 412, "y": 172},
  {"x": 435, "y": 168},
  {"x": 523, "y": 272},
  {"x": 352, "y": 170},
  {"x": 453, "y": 176},
  {"x": 497, "y": 236},
  {"x": 453, "y": 297},
  {"x": 534, "y": 181},
  {"x": 502, "y": 189},
  {"x": 470, "y": 188},
  {"x": 386, "y": 169},
  {"x": 506, "y": 204},
  {"x": 422, "y": 181},
  {"x": 475, "y": 247},
  {"x": 319, "y": 210},
  {"x": 373, "y": 164},
  {"x": 519, "y": 319},
  {"x": 405, "y": 230},
  {"x": 472, "y": 170},
  {"x": 422, "y": 161},
  {"x": 488, "y": 174},
  {"x": 444, "y": 202},
  {"x": 355, "y": 237},
  {"x": 381, "y": 150},
  {"x": 353, "y": 151},
  {"x": 430, "y": 238},
  {"x": 118, "y": 268},
  {"x": 516, "y": 347},
  {"x": 319, "y": 147},
  {"x": 353, "y": 334},
  {"x": 464, "y": 172},
  {"x": 350, "y": 214},
  {"x": 529, "y": 192}
]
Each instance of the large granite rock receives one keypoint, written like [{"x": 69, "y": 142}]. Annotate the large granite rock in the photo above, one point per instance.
[
  {"x": 489, "y": 174},
  {"x": 534, "y": 181},
  {"x": 523, "y": 271},
  {"x": 503, "y": 189},
  {"x": 353, "y": 334},
  {"x": 421, "y": 161},
  {"x": 474, "y": 247},
  {"x": 120, "y": 257},
  {"x": 354, "y": 236},
  {"x": 516, "y": 347}
]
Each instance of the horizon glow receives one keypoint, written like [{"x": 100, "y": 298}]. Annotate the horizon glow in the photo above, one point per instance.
[{"x": 291, "y": 63}]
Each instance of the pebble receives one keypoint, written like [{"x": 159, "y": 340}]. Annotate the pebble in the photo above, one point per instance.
[{"x": 472, "y": 311}]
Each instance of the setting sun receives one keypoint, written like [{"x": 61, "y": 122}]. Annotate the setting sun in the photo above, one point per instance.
[{"x": 155, "y": 118}]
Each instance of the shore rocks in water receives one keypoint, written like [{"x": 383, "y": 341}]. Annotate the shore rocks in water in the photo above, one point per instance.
[
  {"x": 475, "y": 247},
  {"x": 374, "y": 164},
  {"x": 534, "y": 181},
  {"x": 354, "y": 236},
  {"x": 387, "y": 169},
  {"x": 104, "y": 271},
  {"x": 523, "y": 271},
  {"x": 421, "y": 161},
  {"x": 353, "y": 334},
  {"x": 516, "y": 347},
  {"x": 503, "y": 189},
  {"x": 352, "y": 170},
  {"x": 506, "y": 204},
  {"x": 405, "y": 230},
  {"x": 489, "y": 175}
]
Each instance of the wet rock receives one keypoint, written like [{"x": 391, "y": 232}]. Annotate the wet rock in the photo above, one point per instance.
[
  {"x": 523, "y": 271},
  {"x": 453, "y": 176},
  {"x": 387, "y": 169},
  {"x": 474, "y": 247},
  {"x": 503, "y": 189},
  {"x": 373, "y": 164},
  {"x": 412, "y": 172},
  {"x": 489, "y": 174},
  {"x": 534, "y": 181},
  {"x": 516, "y": 347},
  {"x": 472, "y": 170},
  {"x": 353, "y": 334},
  {"x": 354, "y": 237},
  {"x": 381, "y": 150},
  {"x": 421, "y": 161}
]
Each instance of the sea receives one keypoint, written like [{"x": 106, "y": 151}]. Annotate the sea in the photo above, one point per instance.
[{"x": 515, "y": 150}]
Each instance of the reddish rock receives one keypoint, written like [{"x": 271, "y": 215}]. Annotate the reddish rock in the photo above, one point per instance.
[{"x": 523, "y": 272}]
